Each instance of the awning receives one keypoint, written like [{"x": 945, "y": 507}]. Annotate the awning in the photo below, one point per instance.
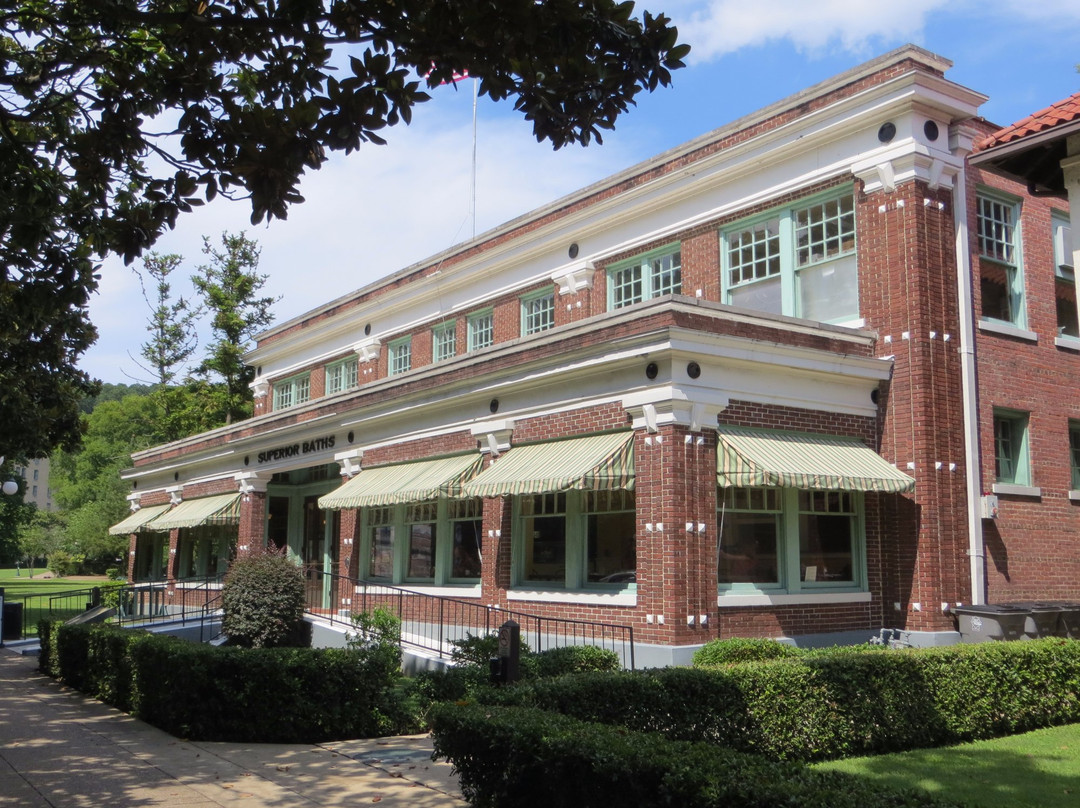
[
  {"x": 760, "y": 457},
  {"x": 134, "y": 522},
  {"x": 598, "y": 463},
  {"x": 223, "y": 509},
  {"x": 404, "y": 482}
]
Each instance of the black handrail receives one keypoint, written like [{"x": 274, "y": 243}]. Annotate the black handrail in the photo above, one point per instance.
[{"x": 432, "y": 622}]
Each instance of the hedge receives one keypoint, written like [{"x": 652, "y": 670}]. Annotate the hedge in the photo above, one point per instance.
[
  {"x": 823, "y": 706},
  {"x": 525, "y": 757},
  {"x": 207, "y": 693}
]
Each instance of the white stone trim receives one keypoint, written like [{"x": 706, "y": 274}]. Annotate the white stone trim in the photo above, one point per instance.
[
  {"x": 1007, "y": 330},
  {"x": 465, "y": 591},
  {"x": 579, "y": 598},
  {"x": 1016, "y": 490},
  {"x": 800, "y": 599}
]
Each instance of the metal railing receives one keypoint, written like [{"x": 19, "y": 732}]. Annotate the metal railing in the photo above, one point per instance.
[{"x": 432, "y": 622}]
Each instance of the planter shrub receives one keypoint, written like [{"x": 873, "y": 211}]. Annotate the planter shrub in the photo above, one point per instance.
[
  {"x": 262, "y": 598},
  {"x": 726, "y": 652}
]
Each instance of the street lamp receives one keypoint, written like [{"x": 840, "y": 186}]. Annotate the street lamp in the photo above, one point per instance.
[{"x": 10, "y": 487}]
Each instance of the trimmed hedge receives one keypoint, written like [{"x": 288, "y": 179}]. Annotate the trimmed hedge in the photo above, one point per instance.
[
  {"x": 286, "y": 695},
  {"x": 822, "y": 706},
  {"x": 737, "y": 649},
  {"x": 524, "y": 758}
]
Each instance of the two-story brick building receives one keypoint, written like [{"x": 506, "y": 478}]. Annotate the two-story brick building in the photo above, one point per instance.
[{"x": 759, "y": 385}]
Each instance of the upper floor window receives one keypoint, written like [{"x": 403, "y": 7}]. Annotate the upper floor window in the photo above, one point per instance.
[
  {"x": 444, "y": 341},
  {"x": 481, "y": 329},
  {"x": 799, "y": 261},
  {"x": 645, "y": 277},
  {"x": 400, "y": 356},
  {"x": 1000, "y": 279},
  {"x": 292, "y": 391},
  {"x": 341, "y": 376},
  {"x": 1011, "y": 464},
  {"x": 1074, "y": 453},
  {"x": 538, "y": 312},
  {"x": 1064, "y": 278}
]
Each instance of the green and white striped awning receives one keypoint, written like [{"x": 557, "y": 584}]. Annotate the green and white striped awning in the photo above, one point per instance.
[
  {"x": 596, "y": 463},
  {"x": 404, "y": 482},
  {"x": 135, "y": 522},
  {"x": 761, "y": 457},
  {"x": 223, "y": 509}
]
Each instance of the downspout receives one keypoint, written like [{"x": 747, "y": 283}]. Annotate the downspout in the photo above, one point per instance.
[{"x": 960, "y": 144}]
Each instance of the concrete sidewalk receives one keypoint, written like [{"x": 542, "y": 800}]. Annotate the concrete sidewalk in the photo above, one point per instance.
[{"x": 59, "y": 748}]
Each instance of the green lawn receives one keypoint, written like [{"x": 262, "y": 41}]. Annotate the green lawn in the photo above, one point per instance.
[
  {"x": 1038, "y": 769},
  {"x": 40, "y": 604}
]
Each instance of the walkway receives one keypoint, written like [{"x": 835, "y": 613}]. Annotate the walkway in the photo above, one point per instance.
[{"x": 61, "y": 749}]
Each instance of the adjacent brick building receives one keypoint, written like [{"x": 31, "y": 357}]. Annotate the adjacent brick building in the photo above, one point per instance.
[{"x": 809, "y": 375}]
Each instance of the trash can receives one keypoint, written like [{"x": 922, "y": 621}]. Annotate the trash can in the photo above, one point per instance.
[
  {"x": 1069, "y": 621},
  {"x": 13, "y": 614},
  {"x": 1043, "y": 619},
  {"x": 991, "y": 622}
]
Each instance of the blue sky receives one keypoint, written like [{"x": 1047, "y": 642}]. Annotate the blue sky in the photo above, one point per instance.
[{"x": 386, "y": 207}]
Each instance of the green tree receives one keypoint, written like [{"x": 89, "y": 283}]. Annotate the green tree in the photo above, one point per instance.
[
  {"x": 116, "y": 117},
  {"x": 15, "y": 514},
  {"x": 42, "y": 537},
  {"x": 229, "y": 285}
]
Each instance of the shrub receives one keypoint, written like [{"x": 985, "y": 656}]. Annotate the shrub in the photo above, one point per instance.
[
  {"x": 378, "y": 632},
  {"x": 726, "y": 652},
  {"x": 478, "y": 649},
  {"x": 573, "y": 659},
  {"x": 61, "y": 563},
  {"x": 263, "y": 601}
]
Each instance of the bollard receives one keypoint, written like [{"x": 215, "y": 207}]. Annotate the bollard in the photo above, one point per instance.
[{"x": 509, "y": 651}]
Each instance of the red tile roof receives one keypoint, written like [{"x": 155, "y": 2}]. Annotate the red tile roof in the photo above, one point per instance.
[{"x": 1064, "y": 111}]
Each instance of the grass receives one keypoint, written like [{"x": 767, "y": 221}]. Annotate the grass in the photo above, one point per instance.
[
  {"x": 1039, "y": 769},
  {"x": 34, "y": 592}
]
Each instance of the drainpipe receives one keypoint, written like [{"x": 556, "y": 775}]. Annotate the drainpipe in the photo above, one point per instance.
[{"x": 960, "y": 144}]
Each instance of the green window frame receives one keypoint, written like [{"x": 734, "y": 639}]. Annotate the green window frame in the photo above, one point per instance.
[
  {"x": 481, "y": 329},
  {"x": 575, "y": 541},
  {"x": 399, "y": 356},
  {"x": 798, "y": 261},
  {"x": 292, "y": 392},
  {"x": 1068, "y": 314},
  {"x": 204, "y": 551},
  {"x": 342, "y": 376},
  {"x": 788, "y": 540},
  {"x": 1074, "y": 453},
  {"x": 538, "y": 311},
  {"x": 645, "y": 277},
  {"x": 444, "y": 341},
  {"x": 1001, "y": 278},
  {"x": 1012, "y": 464},
  {"x": 441, "y": 545}
]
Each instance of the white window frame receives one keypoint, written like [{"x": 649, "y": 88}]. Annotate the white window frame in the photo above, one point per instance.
[
  {"x": 998, "y": 235},
  {"x": 538, "y": 311},
  {"x": 399, "y": 356},
  {"x": 654, "y": 274},
  {"x": 576, "y": 531},
  {"x": 341, "y": 376},
  {"x": 790, "y": 571},
  {"x": 444, "y": 341},
  {"x": 1012, "y": 447},
  {"x": 1064, "y": 275},
  {"x": 292, "y": 392},
  {"x": 443, "y": 513},
  {"x": 481, "y": 330},
  {"x": 782, "y": 248}
]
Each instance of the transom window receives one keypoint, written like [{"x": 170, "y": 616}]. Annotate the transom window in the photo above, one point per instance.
[
  {"x": 1011, "y": 464},
  {"x": 400, "y": 357},
  {"x": 291, "y": 392},
  {"x": 799, "y": 261},
  {"x": 789, "y": 539},
  {"x": 341, "y": 376},
  {"x": 538, "y": 312},
  {"x": 444, "y": 341},
  {"x": 653, "y": 275},
  {"x": 481, "y": 330},
  {"x": 1000, "y": 279}
]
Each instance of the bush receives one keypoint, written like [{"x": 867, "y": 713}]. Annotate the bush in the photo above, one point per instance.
[
  {"x": 726, "y": 652},
  {"x": 478, "y": 649},
  {"x": 573, "y": 659},
  {"x": 529, "y": 758},
  {"x": 263, "y": 601},
  {"x": 61, "y": 563}
]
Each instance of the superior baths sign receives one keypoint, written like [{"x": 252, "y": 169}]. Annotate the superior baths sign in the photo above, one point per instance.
[{"x": 296, "y": 449}]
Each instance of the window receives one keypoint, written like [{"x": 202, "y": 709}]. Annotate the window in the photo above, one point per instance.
[
  {"x": 1011, "y": 448},
  {"x": 400, "y": 358},
  {"x": 1074, "y": 453},
  {"x": 204, "y": 551},
  {"x": 652, "y": 275},
  {"x": 1000, "y": 280},
  {"x": 799, "y": 261},
  {"x": 538, "y": 312},
  {"x": 291, "y": 392},
  {"x": 442, "y": 542},
  {"x": 444, "y": 341},
  {"x": 481, "y": 330},
  {"x": 1064, "y": 278},
  {"x": 789, "y": 539},
  {"x": 341, "y": 376},
  {"x": 575, "y": 539}
]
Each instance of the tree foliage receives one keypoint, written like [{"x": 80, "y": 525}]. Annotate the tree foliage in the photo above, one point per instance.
[{"x": 117, "y": 116}]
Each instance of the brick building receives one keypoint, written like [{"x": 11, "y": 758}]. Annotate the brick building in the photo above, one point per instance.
[{"x": 809, "y": 375}]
